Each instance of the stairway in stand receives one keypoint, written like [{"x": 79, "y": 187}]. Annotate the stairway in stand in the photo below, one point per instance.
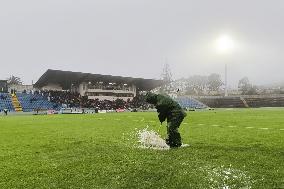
[{"x": 16, "y": 103}]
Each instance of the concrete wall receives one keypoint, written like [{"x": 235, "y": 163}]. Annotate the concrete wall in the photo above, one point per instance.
[
  {"x": 54, "y": 87},
  {"x": 111, "y": 98},
  {"x": 83, "y": 88}
]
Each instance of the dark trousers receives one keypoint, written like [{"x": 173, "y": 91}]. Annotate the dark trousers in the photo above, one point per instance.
[{"x": 174, "y": 120}]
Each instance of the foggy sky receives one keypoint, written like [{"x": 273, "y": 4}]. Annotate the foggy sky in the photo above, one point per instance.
[{"x": 136, "y": 37}]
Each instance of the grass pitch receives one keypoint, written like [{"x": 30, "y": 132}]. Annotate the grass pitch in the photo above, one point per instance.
[{"x": 236, "y": 148}]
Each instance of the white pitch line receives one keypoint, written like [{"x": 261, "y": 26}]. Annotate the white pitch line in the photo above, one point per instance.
[
  {"x": 215, "y": 125},
  {"x": 200, "y": 124},
  {"x": 263, "y": 128},
  {"x": 185, "y": 123},
  {"x": 249, "y": 127},
  {"x": 232, "y": 126}
]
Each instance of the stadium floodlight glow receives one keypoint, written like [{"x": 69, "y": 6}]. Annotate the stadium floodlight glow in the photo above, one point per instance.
[{"x": 224, "y": 44}]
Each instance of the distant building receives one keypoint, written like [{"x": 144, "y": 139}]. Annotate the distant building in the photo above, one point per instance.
[
  {"x": 95, "y": 86},
  {"x": 3, "y": 86},
  {"x": 20, "y": 88}
]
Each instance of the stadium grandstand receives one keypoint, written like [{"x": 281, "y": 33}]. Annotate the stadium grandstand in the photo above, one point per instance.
[
  {"x": 56, "y": 90},
  {"x": 95, "y": 86}
]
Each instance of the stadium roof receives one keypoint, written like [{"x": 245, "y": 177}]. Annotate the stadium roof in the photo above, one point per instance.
[{"x": 66, "y": 78}]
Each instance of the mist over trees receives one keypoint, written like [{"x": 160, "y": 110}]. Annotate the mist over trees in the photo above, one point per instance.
[
  {"x": 193, "y": 85},
  {"x": 214, "y": 82},
  {"x": 246, "y": 87},
  {"x": 198, "y": 85}
]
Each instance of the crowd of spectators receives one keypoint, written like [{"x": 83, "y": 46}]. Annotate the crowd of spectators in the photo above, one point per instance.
[
  {"x": 75, "y": 100},
  {"x": 65, "y": 97},
  {"x": 3, "y": 97}
]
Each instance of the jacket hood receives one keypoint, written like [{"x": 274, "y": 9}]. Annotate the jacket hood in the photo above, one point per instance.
[{"x": 151, "y": 98}]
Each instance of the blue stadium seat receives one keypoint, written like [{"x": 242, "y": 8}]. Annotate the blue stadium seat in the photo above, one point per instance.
[
  {"x": 6, "y": 102},
  {"x": 187, "y": 102},
  {"x": 31, "y": 102}
]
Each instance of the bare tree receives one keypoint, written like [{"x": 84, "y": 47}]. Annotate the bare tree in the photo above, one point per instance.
[
  {"x": 246, "y": 87},
  {"x": 196, "y": 84},
  {"x": 166, "y": 76},
  {"x": 214, "y": 82}
]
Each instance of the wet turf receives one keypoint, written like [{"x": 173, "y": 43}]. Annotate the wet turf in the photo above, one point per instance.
[{"x": 228, "y": 148}]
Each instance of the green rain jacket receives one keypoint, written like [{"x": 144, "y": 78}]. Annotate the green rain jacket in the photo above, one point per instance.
[{"x": 165, "y": 105}]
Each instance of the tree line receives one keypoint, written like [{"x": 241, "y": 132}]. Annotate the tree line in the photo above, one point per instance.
[{"x": 209, "y": 85}]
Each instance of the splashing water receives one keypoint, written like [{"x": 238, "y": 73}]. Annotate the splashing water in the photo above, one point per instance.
[
  {"x": 227, "y": 177},
  {"x": 151, "y": 139}
]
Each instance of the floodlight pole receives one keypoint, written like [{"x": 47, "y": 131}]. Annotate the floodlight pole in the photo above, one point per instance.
[{"x": 226, "y": 80}]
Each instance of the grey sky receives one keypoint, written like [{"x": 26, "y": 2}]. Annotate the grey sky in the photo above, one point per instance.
[{"x": 135, "y": 37}]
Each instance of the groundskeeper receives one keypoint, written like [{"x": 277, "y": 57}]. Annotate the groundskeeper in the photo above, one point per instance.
[{"x": 168, "y": 109}]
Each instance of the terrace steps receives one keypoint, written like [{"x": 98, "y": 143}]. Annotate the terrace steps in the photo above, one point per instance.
[{"x": 16, "y": 103}]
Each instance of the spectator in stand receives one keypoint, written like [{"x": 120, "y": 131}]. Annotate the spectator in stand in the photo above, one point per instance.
[
  {"x": 75, "y": 100},
  {"x": 3, "y": 97},
  {"x": 5, "y": 112}
]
